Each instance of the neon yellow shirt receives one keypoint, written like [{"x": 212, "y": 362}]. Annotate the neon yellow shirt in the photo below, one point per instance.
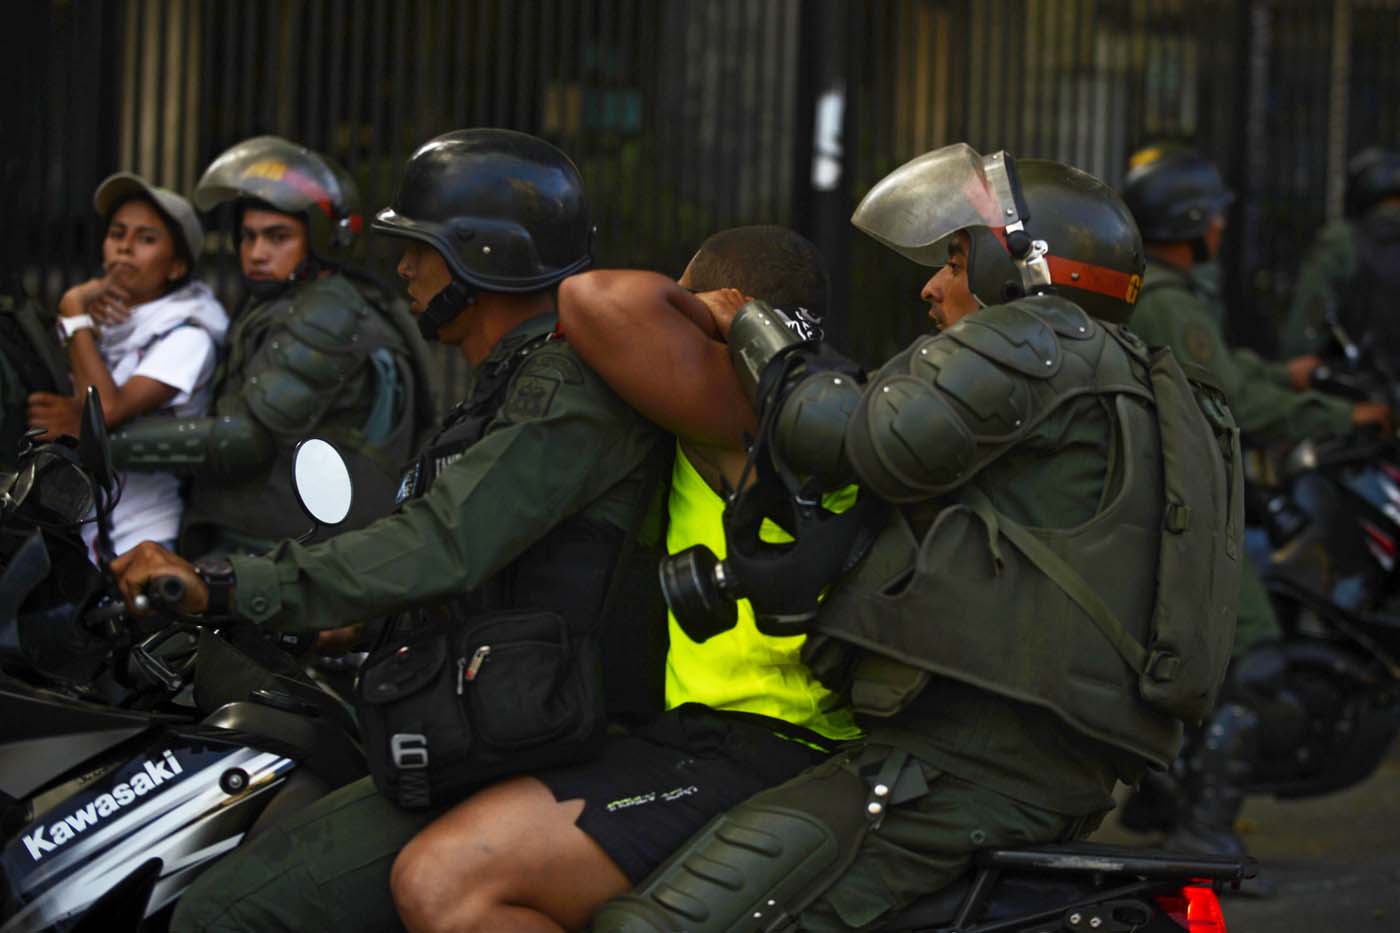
[{"x": 741, "y": 669}]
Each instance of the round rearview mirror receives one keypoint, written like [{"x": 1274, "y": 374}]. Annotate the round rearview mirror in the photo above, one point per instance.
[{"x": 322, "y": 481}]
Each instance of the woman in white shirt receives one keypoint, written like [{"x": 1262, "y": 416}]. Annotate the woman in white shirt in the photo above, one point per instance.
[{"x": 157, "y": 352}]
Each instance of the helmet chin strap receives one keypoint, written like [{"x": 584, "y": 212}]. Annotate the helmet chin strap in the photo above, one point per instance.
[
  {"x": 445, "y": 306},
  {"x": 267, "y": 289}
]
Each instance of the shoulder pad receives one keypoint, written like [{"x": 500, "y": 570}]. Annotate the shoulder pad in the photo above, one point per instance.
[
  {"x": 1012, "y": 336},
  {"x": 992, "y": 402},
  {"x": 1064, "y": 317},
  {"x": 535, "y": 386},
  {"x": 332, "y": 315}
]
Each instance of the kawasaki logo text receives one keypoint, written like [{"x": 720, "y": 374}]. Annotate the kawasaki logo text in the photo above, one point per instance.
[{"x": 155, "y": 772}]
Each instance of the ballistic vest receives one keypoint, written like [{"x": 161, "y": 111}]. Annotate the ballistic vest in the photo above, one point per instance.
[
  {"x": 1120, "y": 625},
  {"x": 318, "y": 360},
  {"x": 568, "y": 570}
]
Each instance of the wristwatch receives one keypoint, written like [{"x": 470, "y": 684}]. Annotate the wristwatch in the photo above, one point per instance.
[
  {"x": 68, "y": 326},
  {"x": 217, "y": 574}
]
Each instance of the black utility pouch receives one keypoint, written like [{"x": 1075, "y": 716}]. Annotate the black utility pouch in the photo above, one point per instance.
[{"x": 457, "y": 704}]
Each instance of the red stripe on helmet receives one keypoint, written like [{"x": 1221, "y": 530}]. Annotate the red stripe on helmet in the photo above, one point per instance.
[{"x": 1098, "y": 279}]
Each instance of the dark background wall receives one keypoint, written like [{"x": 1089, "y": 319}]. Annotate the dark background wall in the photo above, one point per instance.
[{"x": 690, "y": 115}]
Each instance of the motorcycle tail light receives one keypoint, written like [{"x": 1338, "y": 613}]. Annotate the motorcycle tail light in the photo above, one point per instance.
[
  {"x": 1380, "y": 537},
  {"x": 1196, "y": 908},
  {"x": 1380, "y": 544}
]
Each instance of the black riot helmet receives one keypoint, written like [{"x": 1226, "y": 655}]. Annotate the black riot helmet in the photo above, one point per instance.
[
  {"x": 1174, "y": 193},
  {"x": 506, "y": 210},
  {"x": 292, "y": 179},
  {"x": 1372, "y": 175},
  {"x": 1034, "y": 226}
]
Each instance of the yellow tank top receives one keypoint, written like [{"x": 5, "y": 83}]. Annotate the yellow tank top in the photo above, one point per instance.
[{"x": 741, "y": 669}]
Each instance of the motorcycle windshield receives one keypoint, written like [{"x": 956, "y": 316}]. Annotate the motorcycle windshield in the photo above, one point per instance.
[{"x": 917, "y": 208}]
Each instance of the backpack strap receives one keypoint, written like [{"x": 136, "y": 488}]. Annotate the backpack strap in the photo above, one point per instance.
[{"x": 1065, "y": 577}]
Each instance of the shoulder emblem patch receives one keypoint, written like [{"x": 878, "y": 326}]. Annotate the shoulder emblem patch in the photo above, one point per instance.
[
  {"x": 531, "y": 397},
  {"x": 1198, "y": 343}
]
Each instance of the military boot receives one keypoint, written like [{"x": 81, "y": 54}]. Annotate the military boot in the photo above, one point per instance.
[{"x": 1217, "y": 769}]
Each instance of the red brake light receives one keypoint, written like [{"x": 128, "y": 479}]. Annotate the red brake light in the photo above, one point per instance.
[
  {"x": 1380, "y": 538},
  {"x": 1195, "y": 908}
]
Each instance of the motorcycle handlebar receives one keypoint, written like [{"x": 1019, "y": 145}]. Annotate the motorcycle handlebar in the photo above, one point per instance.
[
  {"x": 165, "y": 592},
  {"x": 162, "y": 594}
]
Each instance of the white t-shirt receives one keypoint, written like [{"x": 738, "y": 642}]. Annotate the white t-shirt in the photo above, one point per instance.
[{"x": 174, "y": 341}]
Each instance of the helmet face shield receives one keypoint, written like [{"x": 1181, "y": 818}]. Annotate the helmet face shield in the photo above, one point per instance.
[
  {"x": 293, "y": 180},
  {"x": 916, "y": 209},
  {"x": 271, "y": 169},
  {"x": 1032, "y": 227}
]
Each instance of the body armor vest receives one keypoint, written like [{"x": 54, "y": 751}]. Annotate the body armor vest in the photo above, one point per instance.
[
  {"x": 286, "y": 357},
  {"x": 566, "y": 571},
  {"x": 954, "y": 587}
]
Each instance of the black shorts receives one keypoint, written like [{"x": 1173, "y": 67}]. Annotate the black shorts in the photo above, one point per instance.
[{"x": 652, "y": 789}]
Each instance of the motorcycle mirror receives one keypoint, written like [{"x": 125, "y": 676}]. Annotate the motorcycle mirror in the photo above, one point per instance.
[
  {"x": 321, "y": 479},
  {"x": 93, "y": 449}
]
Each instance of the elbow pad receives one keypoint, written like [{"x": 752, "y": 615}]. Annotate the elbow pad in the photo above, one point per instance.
[
  {"x": 757, "y": 334},
  {"x": 809, "y": 434},
  {"x": 231, "y": 447}
]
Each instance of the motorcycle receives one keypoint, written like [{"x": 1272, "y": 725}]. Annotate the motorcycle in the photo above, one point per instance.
[
  {"x": 126, "y": 769},
  {"x": 1328, "y": 691},
  {"x": 134, "y": 752}
]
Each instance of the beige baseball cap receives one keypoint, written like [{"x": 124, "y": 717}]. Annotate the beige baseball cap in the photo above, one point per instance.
[{"x": 117, "y": 188}]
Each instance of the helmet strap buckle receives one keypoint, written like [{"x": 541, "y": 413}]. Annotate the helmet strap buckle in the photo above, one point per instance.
[{"x": 1035, "y": 271}]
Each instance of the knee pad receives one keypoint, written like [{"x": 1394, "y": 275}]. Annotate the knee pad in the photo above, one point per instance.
[{"x": 751, "y": 869}]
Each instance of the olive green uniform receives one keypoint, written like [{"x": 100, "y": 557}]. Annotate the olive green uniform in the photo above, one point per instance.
[
  {"x": 322, "y": 360},
  {"x": 1182, "y": 310},
  {"x": 562, "y": 444},
  {"x": 1350, "y": 275},
  {"x": 984, "y": 771},
  {"x": 1324, "y": 279},
  {"x": 996, "y": 714}
]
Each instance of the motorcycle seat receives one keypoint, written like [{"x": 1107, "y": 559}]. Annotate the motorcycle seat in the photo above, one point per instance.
[{"x": 1018, "y": 882}]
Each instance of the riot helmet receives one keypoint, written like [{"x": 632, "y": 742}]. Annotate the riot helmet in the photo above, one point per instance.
[
  {"x": 1174, "y": 193},
  {"x": 1033, "y": 226},
  {"x": 290, "y": 179},
  {"x": 1373, "y": 174},
  {"x": 506, "y": 211}
]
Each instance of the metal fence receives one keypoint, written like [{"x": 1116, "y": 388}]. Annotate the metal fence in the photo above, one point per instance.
[{"x": 690, "y": 115}]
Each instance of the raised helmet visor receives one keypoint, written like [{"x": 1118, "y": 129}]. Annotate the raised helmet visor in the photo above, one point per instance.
[{"x": 916, "y": 209}]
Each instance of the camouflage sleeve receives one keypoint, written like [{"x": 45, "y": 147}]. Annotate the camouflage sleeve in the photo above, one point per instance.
[
  {"x": 1330, "y": 263},
  {"x": 561, "y": 444},
  {"x": 1261, "y": 406}
]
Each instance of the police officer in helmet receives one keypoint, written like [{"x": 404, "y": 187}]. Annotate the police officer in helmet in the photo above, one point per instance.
[
  {"x": 1351, "y": 274},
  {"x": 312, "y": 352},
  {"x": 994, "y": 636},
  {"x": 519, "y": 505},
  {"x": 1179, "y": 199}
]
